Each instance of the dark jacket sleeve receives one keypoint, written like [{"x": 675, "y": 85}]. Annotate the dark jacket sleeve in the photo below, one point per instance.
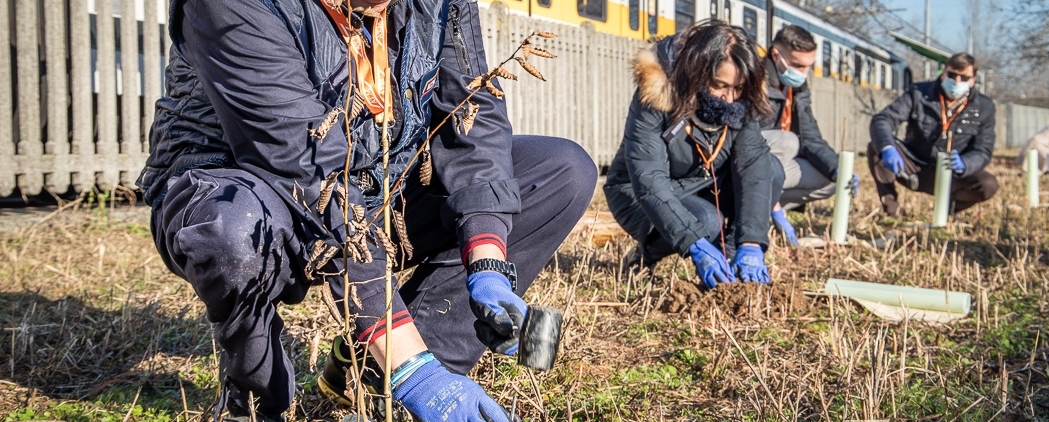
[
  {"x": 813, "y": 147},
  {"x": 647, "y": 165},
  {"x": 476, "y": 168},
  {"x": 978, "y": 155},
  {"x": 884, "y": 124},
  {"x": 752, "y": 181},
  {"x": 247, "y": 63}
]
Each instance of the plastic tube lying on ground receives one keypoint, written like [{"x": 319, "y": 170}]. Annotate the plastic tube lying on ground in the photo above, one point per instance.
[
  {"x": 842, "y": 198},
  {"x": 942, "y": 191},
  {"x": 916, "y": 298}
]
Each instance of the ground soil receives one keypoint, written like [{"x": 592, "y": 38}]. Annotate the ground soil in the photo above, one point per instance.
[{"x": 737, "y": 300}]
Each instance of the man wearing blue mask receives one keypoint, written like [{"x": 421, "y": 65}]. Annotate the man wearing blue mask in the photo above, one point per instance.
[
  {"x": 809, "y": 163},
  {"x": 944, "y": 115}
]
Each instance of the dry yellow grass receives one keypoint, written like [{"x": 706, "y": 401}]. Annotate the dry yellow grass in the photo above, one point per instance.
[{"x": 93, "y": 327}]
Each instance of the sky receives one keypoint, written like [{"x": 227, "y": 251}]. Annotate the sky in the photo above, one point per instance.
[{"x": 947, "y": 22}]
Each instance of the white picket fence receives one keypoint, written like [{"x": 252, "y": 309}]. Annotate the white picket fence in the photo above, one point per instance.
[{"x": 70, "y": 127}]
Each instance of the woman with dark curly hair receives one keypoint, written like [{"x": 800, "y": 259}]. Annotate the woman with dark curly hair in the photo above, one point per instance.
[{"x": 693, "y": 174}]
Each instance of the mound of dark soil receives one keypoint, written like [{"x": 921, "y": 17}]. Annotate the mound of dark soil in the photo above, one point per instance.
[{"x": 738, "y": 300}]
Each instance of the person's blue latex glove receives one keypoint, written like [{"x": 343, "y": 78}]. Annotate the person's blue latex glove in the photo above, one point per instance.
[
  {"x": 779, "y": 217},
  {"x": 854, "y": 187},
  {"x": 710, "y": 264},
  {"x": 500, "y": 312},
  {"x": 892, "y": 160},
  {"x": 431, "y": 393},
  {"x": 957, "y": 165},
  {"x": 750, "y": 264}
]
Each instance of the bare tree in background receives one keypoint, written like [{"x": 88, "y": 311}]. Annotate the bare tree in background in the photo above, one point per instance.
[
  {"x": 1028, "y": 21},
  {"x": 992, "y": 46},
  {"x": 1030, "y": 17},
  {"x": 851, "y": 15}
]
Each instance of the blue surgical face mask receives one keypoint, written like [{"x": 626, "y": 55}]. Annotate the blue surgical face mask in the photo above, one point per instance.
[
  {"x": 791, "y": 77},
  {"x": 953, "y": 88}
]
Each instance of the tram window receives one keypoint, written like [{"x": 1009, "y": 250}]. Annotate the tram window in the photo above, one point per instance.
[
  {"x": 843, "y": 66},
  {"x": 713, "y": 9},
  {"x": 881, "y": 77},
  {"x": 635, "y": 14},
  {"x": 593, "y": 9},
  {"x": 684, "y": 14},
  {"x": 857, "y": 68},
  {"x": 826, "y": 58},
  {"x": 868, "y": 72},
  {"x": 750, "y": 22},
  {"x": 544, "y": 3},
  {"x": 728, "y": 11},
  {"x": 653, "y": 17}
]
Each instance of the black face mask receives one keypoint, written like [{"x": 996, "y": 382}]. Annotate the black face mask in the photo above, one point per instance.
[{"x": 719, "y": 112}]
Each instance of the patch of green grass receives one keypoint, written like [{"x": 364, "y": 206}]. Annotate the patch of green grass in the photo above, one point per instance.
[
  {"x": 88, "y": 412},
  {"x": 138, "y": 230}
]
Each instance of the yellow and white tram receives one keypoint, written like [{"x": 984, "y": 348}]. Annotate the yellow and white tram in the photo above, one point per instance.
[{"x": 840, "y": 54}]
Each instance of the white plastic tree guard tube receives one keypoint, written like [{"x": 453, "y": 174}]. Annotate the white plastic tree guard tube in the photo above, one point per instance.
[
  {"x": 942, "y": 191},
  {"x": 1033, "y": 172},
  {"x": 957, "y": 303},
  {"x": 842, "y": 198}
]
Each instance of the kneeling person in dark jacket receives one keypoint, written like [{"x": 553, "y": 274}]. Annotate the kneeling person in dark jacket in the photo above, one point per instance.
[
  {"x": 692, "y": 156},
  {"x": 945, "y": 115},
  {"x": 810, "y": 165},
  {"x": 262, "y": 188}
]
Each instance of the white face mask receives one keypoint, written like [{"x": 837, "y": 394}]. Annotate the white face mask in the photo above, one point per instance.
[{"x": 953, "y": 88}]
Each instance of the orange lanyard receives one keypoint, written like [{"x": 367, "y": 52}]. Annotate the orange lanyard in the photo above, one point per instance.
[
  {"x": 788, "y": 108},
  {"x": 708, "y": 160},
  {"x": 945, "y": 123},
  {"x": 371, "y": 73},
  {"x": 339, "y": 18}
]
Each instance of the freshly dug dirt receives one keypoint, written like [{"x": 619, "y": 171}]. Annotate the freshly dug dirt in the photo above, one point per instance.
[{"x": 738, "y": 300}]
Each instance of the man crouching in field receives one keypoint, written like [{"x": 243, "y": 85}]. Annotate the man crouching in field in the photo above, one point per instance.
[{"x": 247, "y": 151}]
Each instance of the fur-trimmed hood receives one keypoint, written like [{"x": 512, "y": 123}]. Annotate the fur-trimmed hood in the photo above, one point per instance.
[{"x": 651, "y": 74}]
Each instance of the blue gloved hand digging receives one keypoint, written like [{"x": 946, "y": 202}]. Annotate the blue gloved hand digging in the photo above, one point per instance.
[
  {"x": 779, "y": 218},
  {"x": 749, "y": 263},
  {"x": 500, "y": 312},
  {"x": 710, "y": 264}
]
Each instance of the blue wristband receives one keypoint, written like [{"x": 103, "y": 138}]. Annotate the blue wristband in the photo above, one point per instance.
[{"x": 409, "y": 366}]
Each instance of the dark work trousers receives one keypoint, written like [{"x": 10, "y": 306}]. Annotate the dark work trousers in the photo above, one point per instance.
[
  {"x": 705, "y": 207},
  {"x": 557, "y": 180},
  {"x": 965, "y": 191},
  {"x": 232, "y": 238}
]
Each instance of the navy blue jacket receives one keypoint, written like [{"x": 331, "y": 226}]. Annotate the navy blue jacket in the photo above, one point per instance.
[
  {"x": 657, "y": 164},
  {"x": 973, "y": 130},
  {"x": 248, "y": 79}
]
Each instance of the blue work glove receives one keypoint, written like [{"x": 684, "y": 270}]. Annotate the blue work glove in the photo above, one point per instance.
[
  {"x": 779, "y": 217},
  {"x": 500, "y": 312},
  {"x": 750, "y": 264},
  {"x": 710, "y": 264},
  {"x": 431, "y": 393},
  {"x": 854, "y": 188},
  {"x": 957, "y": 165},
  {"x": 892, "y": 160}
]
